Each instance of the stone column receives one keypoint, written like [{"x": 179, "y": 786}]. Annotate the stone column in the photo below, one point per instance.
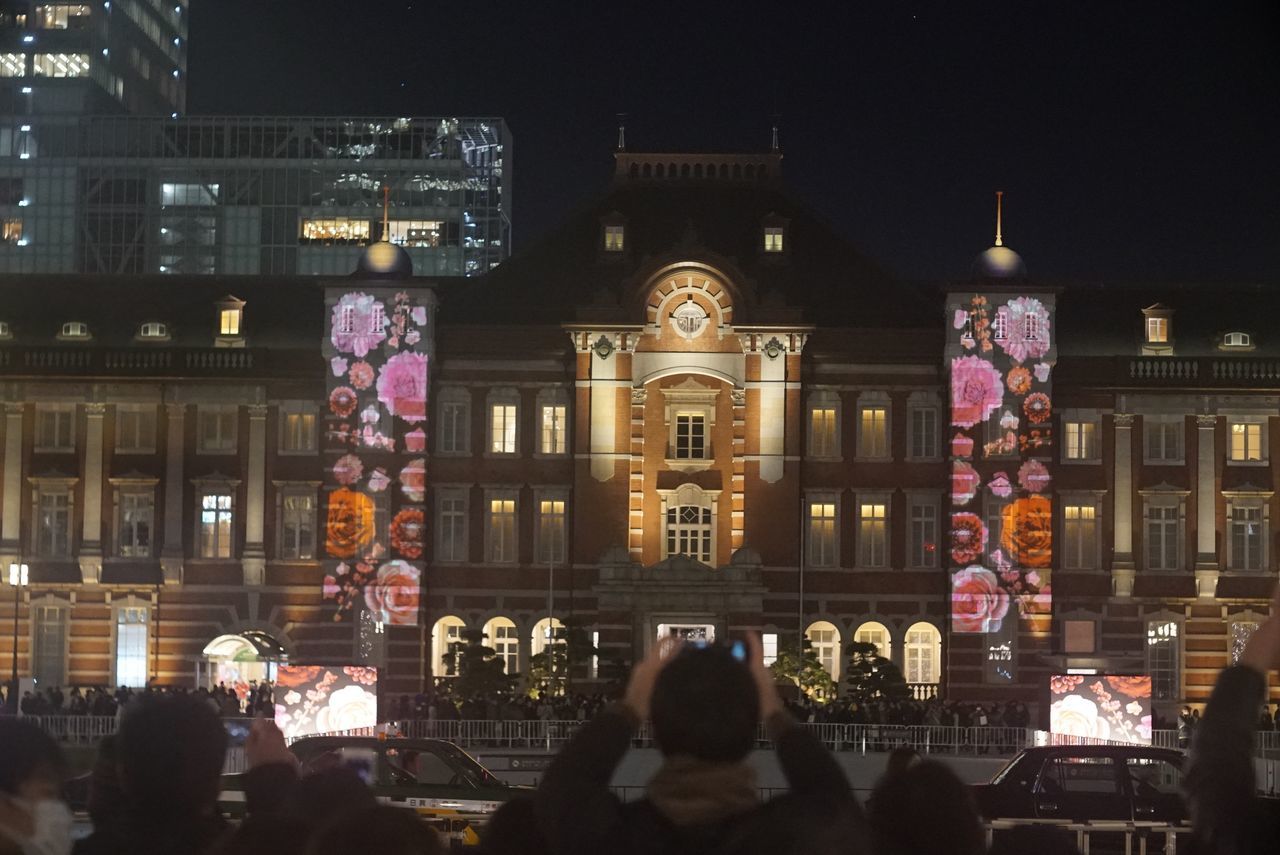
[
  {"x": 773, "y": 406},
  {"x": 171, "y": 554},
  {"x": 254, "y": 558},
  {"x": 91, "y": 532},
  {"x": 604, "y": 410},
  {"x": 1206, "y": 506},
  {"x": 10, "y": 528},
  {"x": 1123, "y": 569}
]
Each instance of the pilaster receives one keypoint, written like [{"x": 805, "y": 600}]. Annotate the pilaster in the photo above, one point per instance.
[
  {"x": 1123, "y": 568},
  {"x": 254, "y": 559},
  {"x": 91, "y": 530},
  {"x": 171, "y": 554},
  {"x": 10, "y": 528},
  {"x": 1207, "y": 567}
]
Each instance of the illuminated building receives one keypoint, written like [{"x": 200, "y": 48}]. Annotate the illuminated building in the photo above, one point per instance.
[{"x": 694, "y": 408}]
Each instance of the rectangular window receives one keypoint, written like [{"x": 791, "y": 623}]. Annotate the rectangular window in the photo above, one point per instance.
[
  {"x": 1162, "y": 537},
  {"x": 555, "y": 429},
  {"x": 414, "y": 232},
  {"x": 921, "y": 654},
  {"x": 822, "y": 432},
  {"x": 689, "y": 532},
  {"x": 924, "y": 432},
  {"x": 13, "y": 65},
  {"x": 297, "y": 526},
  {"x": 1080, "y": 533},
  {"x": 873, "y": 536},
  {"x": 455, "y": 420},
  {"x": 501, "y": 548},
  {"x": 61, "y": 16},
  {"x": 11, "y": 230},
  {"x": 1157, "y": 330},
  {"x": 769, "y": 647},
  {"x": 298, "y": 433},
  {"x": 691, "y": 433},
  {"x": 137, "y": 517},
  {"x": 189, "y": 195},
  {"x": 49, "y": 641},
  {"x": 614, "y": 237},
  {"x": 229, "y": 322},
  {"x": 452, "y": 538},
  {"x": 60, "y": 65},
  {"x": 1081, "y": 440},
  {"x": 1164, "y": 660},
  {"x": 873, "y": 432},
  {"x": 1163, "y": 439},
  {"x": 551, "y": 531},
  {"x": 1246, "y": 442},
  {"x": 822, "y": 534},
  {"x": 55, "y": 428},
  {"x": 924, "y": 535},
  {"x": 1248, "y": 534},
  {"x": 131, "y": 646},
  {"x": 135, "y": 428},
  {"x": 53, "y": 523},
  {"x": 773, "y": 239},
  {"x": 217, "y": 429},
  {"x": 506, "y": 643},
  {"x": 215, "y": 525},
  {"x": 334, "y": 230},
  {"x": 502, "y": 428}
]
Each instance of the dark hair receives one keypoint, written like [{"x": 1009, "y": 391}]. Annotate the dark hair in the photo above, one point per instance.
[
  {"x": 705, "y": 705},
  {"x": 513, "y": 830},
  {"x": 27, "y": 751},
  {"x": 381, "y": 829},
  {"x": 106, "y": 798},
  {"x": 325, "y": 793},
  {"x": 170, "y": 751},
  {"x": 927, "y": 789}
]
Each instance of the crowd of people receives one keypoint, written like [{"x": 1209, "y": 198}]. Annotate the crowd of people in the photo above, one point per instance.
[
  {"x": 253, "y": 699},
  {"x": 155, "y": 786}
]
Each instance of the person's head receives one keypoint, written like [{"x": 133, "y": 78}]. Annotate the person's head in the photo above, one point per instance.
[
  {"x": 33, "y": 766},
  {"x": 705, "y": 705},
  {"x": 325, "y": 793},
  {"x": 900, "y": 760},
  {"x": 106, "y": 797},
  {"x": 381, "y": 829},
  {"x": 931, "y": 790},
  {"x": 514, "y": 830},
  {"x": 170, "y": 751}
]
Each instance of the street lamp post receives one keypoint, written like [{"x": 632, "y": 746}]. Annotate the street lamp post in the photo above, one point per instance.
[{"x": 18, "y": 576}]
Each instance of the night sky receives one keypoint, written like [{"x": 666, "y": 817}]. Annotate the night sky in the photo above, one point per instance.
[{"x": 1133, "y": 140}]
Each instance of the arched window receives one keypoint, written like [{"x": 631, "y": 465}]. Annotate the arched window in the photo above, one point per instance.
[
  {"x": 874, "y": 632},
  {"x": 922, "y": 654},
  {"x": 824, "y": 641},
  {"x": 690, "y": 524},
  {"x": 543, "y": 634},
  {"x": 447, "y": 631},
  {"x": 501, "y": 635}
]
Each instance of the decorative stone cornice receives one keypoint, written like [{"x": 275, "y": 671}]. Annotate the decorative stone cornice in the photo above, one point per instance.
[
  {"x": 95, "y": 410},
  {"x": 1124, "y": 420},
  {"x": 1206, "y": 421},
  {"x": 258, "y": 411},
  {"x": 14, "y": 408}
]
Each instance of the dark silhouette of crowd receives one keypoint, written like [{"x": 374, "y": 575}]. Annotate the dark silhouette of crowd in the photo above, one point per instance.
[
  {"x": 252, "y": 699},
  {"x": 155, "y": 786}
]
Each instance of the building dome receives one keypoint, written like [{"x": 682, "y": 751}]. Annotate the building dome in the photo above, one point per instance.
[
  {"x": 384, "y": 260},
  {"x": 999, "y": 262}
]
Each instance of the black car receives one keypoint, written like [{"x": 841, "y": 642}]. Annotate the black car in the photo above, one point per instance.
[{"x": 1087, "y": 782}]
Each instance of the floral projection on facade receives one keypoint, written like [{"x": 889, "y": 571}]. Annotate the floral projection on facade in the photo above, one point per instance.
[
  {"x": 323, "y": 699},
  {"x": 1001, "y": 357},
  {"x": 1101, "y": 707},
  {"x": 377, "y": 348}
]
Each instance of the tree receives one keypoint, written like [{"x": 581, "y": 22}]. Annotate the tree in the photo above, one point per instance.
[
  {"x": 570, "y": 648},
  {"x": 476, "y": 670},
  {"x": 869, "y": 676},
  {"x": 800, "y": 665}
]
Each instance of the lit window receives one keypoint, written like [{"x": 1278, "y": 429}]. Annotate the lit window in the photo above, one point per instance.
[
  {"x": 11, "y": 230},
  {"x": 53, "y": 522},
  {"x": 1248, "y": 536},
  {"x": 1163, "y": 437},
  {"x": 822, "y": 534},
  {"x": 49, "y": 638},
  {"x": 135, "y": 428},
  {"x": 137, "y": 515},
  {"x": 190, "y": 195},
  {"x": 414, "y": 232},
  {"x": 922, "y": 654},
  {"x": 61, "y": 64},
  {"x": 1000, "y": 326},
  {"x": 131, "y": 646},
  {"x": 1080, "y": 533},
  {"x": 555, "y": 429},
  {"x": 873, "y": 432},
  {"x": 444, "y": 635},
  {"x": 1246, "y": 442},
  {"x": 61, "y": 16},
  {"x": 872, "y": 535},
  {"x": 297, "y": 525},
  {"x": 502, "y": 428},
  {"x": 876, "y": 634},
  {"x": 613, "y": 238},
  {"x": 13, "y": 65},
  {"x": 689, "y": 532},
  {"x": 501, "y": 530},
  {"x": 217, "y": 429},
  {"x": 1164, "y": 660},
  {"x": 551, "y": 531},
  {"x": 451, "y": 529},
  {"x": 229, "y": 321},
  {"x": 769, "y": 648},
  {"x": 298, "y": 433},
  {"x": 691, "y": 434},
  {"x": 55, "y": 428},
  {"x": 924, "y": 535},
  {"x": 823, "y": 430},
  {"x": 1237, "y": 339},
  {"x": 773, "y": 239},
  {"x": 74, "y": 329},
  {"x": 5, "y": 332},
  {"x": 924, "y": 432},
  {"x": 1157, "y": 330},
  {"x": 215, "y": 525},
  {"x": 1081, "y": 440},
  {"x": 824, "y": 642},
  {"x": 501, "y": 635},
  {"x": 334, "y": 229},
  {"x": 153, "y": 330}
]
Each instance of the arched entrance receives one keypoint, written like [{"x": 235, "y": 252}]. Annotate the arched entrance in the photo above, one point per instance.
[{"x": 239, "y": 660}]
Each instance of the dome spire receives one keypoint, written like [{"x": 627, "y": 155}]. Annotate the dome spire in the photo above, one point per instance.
[
  {"x": 999, "y": 198},
  {"x": 386, "y": 212}
]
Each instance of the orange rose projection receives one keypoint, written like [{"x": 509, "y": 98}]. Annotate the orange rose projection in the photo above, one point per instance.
[
  {"x": 350, "y": 525},
  {"x": 1027, "y": 531}
]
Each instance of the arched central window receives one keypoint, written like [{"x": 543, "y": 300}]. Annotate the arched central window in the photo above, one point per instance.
[
  {"x": 447, "y": 631},
  {"x": 874, "y": 632},
  {"x": 500, "y": 634},
  {"x": 824, "y": 641},
  {"x": 544, "y": 632},
  {"x": 689, "y": 520}
]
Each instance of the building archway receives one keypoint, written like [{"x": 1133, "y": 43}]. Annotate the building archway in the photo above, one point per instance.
[
  {"x": 824, "y": 641},
  {"x": 446, "y": 631},
  {"x": 922, "y": 653},
  {"x": 240, "y": 659},
  {"x": 874, "y": 632},
  {"x": 501, "y": 635}
]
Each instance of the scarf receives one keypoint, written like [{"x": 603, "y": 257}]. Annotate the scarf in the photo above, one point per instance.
[{"x": 690, "y": 791}]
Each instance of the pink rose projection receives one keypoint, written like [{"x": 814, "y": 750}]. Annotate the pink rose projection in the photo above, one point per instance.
[
  {"x": 964, "y": 483},
  {"x": 392, "y": 595},
  {"x": 402, "y": 386},
  {"x": 1033, "y": 477},
  {"x": 359, "y": 324},
  {"x": 978, "y": 603},
  {"x": 977, "y": 390},
  {"x": 1028, "y": 330}
]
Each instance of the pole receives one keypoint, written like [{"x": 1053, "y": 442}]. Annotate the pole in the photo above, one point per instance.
[
  {"x": 13, "y": 684},
  {"x": 551, "y": 621}
]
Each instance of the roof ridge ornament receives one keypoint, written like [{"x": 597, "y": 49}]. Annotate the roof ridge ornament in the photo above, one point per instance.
[{"x": 999, "y": 199}]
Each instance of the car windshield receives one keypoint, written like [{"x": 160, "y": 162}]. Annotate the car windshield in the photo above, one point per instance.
[
  {"x": 1008, "y": 767},
  {"x": 467, "y": 765}
]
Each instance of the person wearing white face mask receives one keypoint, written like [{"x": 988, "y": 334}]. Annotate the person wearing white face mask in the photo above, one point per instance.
[{"x": 34, "y": 820}]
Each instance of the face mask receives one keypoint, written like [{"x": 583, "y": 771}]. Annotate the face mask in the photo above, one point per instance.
[{"x": 52, "y": 835}]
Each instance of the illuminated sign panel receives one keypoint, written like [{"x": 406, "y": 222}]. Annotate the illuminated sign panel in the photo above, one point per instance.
[
  {"x": 314, "y": 699},
  {"x": 1114, "y": 707}
]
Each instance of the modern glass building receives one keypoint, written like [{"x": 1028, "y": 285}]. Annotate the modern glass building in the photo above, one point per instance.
[{"x": 252, "y": 195}]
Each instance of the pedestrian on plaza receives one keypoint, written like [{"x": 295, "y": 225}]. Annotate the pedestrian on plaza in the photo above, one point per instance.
[{"x": 34, "y": 820}]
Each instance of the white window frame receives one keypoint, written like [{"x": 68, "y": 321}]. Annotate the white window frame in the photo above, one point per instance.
[
  {"x": 216, "y": 488},
  {"x": 1164, "y": 499},
  {"x": 1248, "y": 501},
  {"x": 444, "y": 633},
  {"x": 453, "y": 435},
  {"x": 1248, "y": 423},
  {"x": 873, "y": 631},
  {"x": 1081, "y": 437},
  {"x": 130, "y": 422},
  {"x": 130, "y": 607},
  {"x": 913, "y": 646},
  {"x": 553, "y": 423},
  {"x": 52, "y": 488},
  {"x": 774, "y": 239},
  {"x": 1161, "y": 629},
  {"x": 39, "y": 610},
  {"x": 219, "y": 413},
  {"x": 1087, "y": 508},
  {"x": 551, "y": 550},
  {"x": 690, "y": 399},
  {"x": 822, "y": 549},
  {"x": 823, "y": 444},
  {"x": 64, "y": 416},
  {"x": 507, "y": 549},
  {"x": 872, "y": 448},
  {"x": 286, "y": 490},
  {"x": 916, "y": 412},
  {"x": 829, "y": 650},
  {"x": 456, "y": 502},
  {"x": 1152, "y": 423},
  {"x": 508, "y": 445},
  {"x": 505, "y": 644},
  {"x": 1157, "y": 329},
  {"x": 874, "y": 552},
  {"x": 122, "y": 489},
  {"x": 918, "y": 557},
  {"x": 308, "y": 432},
  {"x": 689, "y": 495}
]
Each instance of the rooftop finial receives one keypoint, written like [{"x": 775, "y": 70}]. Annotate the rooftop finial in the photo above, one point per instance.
[
  {"x": 999, "y": 237},
  {"x": 386, "y": 210},
  {"x": 622, "y": 132},
  {"x": 773, "y": 144}
]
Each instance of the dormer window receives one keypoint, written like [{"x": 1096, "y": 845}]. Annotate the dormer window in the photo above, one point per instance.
[
  {"x": 229, "y": 321},
  {"x": 1157, "y": 330},
  {"x": 230, "y": 329},
  {"x": 73, "y": 330},
  {"x": 1157, "y": 339},
  {"x": 614, "y": 238},
  {"x": 1237, "y": 341},
  {"x": 153, "y": 331},
  {"x": 773, "y": 238}
]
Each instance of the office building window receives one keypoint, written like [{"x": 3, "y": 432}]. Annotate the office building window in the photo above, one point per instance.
[
  {"x": 924, "y": 432},
  {"x": 454, "y": 429},
  {"x": 1247, "y": 440},
  {"x": 1163, "y": 439},
  {"x": 61, "y": 16},
  {"x": 924, "y": 535},
  {"x": 873, "y": 533},
  {"x": 137, "y": 510},
  {"x": 553, "y": 424},
  {"x": 873, "y": 431},
  {"x": 298, "y": 525},
  {"x": 11, "y": 230},
  {"x": 823, "y": 540},
  {"x": 691, "y": 436},
  {"x": 189, "y": 195},
  {"x": 1080, "y": 536},
  {"x": 451, "y": 536},
  {"x": 53, "y": 521},
  {"x": 135, "y": 428},
  {"x": 414, "y": 232},
  {"x": 217, "y": 432},
  {"x": 773, "y": 239},
  {"x": 334, "y": 230},
  {"x": 1164, "y": 659},
  {"x": 503, "y": 426},
  {"x": 215, "y": 527},
  {"x": 1081, "y": 440},
  {"x": 1164, "y": 525},
  {"x": 689, "y": 532},
  {"x": 298, "y": 432},
  {"x": 500, "y": 528},
  {"x": 614, "y": 238},
  {"x": 1248, "y": 543},
  {"x": 551, "y": 530},
  {"x": 922, "y": 654},
  {"x": 13, "y": 65},
  {"x": 49, "y": 644},
  {"x": 60, "y": 65},
  {"x": 55, "y": 428},
  {"x": 132, "y": 623},
  {"x": 824, "y": 426}
]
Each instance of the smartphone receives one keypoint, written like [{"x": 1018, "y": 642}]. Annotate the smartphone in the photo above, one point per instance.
[{"x": 739, "y": 651}]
